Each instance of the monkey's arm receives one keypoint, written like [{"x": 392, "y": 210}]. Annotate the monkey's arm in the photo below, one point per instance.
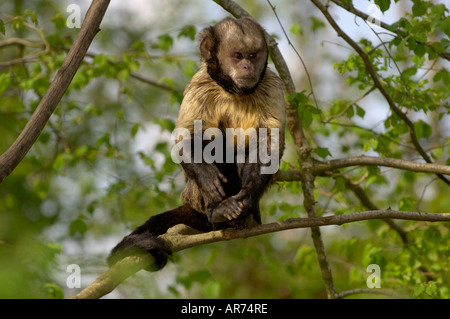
[
  {"x": 246, "y": 200},
  {"x": 255, "y": 178},
  {"x": 208, "y": 178}
]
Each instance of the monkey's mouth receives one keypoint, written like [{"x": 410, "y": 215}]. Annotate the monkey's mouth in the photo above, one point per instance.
[
  {"x": 246, "y": 81},
  {"x": 246, "y": 78}
]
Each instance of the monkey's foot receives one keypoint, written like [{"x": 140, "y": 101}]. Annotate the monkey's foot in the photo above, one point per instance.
[{"x": 228, "y": 209}]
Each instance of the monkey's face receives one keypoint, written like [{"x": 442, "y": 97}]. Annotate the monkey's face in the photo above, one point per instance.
[
  {"x": 245, "y": 65},
  {"x": 235, "y": 52}
]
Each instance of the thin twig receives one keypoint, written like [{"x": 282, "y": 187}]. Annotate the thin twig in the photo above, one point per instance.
[
  {"x": 33, "y": 44},
  {"x": 373, "y": 88}
]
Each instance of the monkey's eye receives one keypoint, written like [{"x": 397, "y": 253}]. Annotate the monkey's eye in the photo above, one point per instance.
[
  {"x": 237, "y": 55},
  {"x": 252, "y": 55}
]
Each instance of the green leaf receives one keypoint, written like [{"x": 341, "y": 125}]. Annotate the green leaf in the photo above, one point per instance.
[
  {"x": 5, "y": 82},
  {"x": 383, "y": 4},
  {"x": 445, "y": 26},
  {"x": 32, "y": 15},
  {"x": 339, "y": 184},
  {"x": 419, "y": 8},
  {"x": 438, "y": 9},
  {"x": 418, "y": 60},
  {"x": 190, "y": 68},
  {"x": 81, "y": 151},
  {"x": 420, "y": 36},
  {"x": 296, "y": 29},
  {"x": 305, "y": 257},
  {"x": 200, "y": 276},
  {"x": 298, "y": 99},
  {"x": 123, "y": 75},
  {"x": 59, "y": 21},
  {"x": 306, "y": 117},
  {"x": 418, "y": 290},
  {"x": 350, "y": 112},
  {"x": 432, "y": 290},
  {"x": 407, "y": 203},
  {"x": 18, "y": 23},
  {"x": 409, "y": 72},
  {"x": 134, "y": 129},
  {"x": 360, "y": 111},
  {"x": 52, "y": 291},
  {"x": 2, "y": 27},
  {"x": 166, "y": 124},
  {"x": 316, "y": 24},
  {"x": 77, "y": 226},
  {"x": 438, "y": 47},
  {"x": 212, "y": 289},
  {"x": 165, "y": 42},
  {"x": 54, "y": 248},
  {"x": 139, "y": 46},
  {"x": 188, "y": 31},
  {"x": 420, "y": 50},
  {"x": 322, "y": 152},
  {"x": 422, "y": 129}
]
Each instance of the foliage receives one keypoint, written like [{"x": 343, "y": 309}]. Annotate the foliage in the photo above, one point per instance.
[{"x": 103, "y": 165}]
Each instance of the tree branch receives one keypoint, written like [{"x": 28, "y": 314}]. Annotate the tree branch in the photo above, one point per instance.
[
  {"x": 17, "y": 151},
  {"x": 322, "y": 166},
  {"x": 307, "y": 178},
  {"x": 378, "y": 84},
  {"x": 181, "y": 237}
]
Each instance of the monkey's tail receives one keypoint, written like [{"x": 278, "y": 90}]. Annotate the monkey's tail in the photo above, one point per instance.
[{"x": 144, "y": 239}]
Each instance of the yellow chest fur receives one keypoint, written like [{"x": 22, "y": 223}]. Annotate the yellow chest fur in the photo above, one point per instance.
[{"x": 205, "y": 100}]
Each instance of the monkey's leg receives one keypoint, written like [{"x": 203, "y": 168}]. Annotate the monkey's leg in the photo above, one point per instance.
[{"x": 144, "y": 239}]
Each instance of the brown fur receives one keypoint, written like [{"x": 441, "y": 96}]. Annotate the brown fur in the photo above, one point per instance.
[
  {"x": 205, "y": 100},
  {"x": 232, "y": 89}
]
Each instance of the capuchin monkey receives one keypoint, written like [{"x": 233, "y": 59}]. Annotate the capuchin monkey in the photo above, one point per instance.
[{"x": 237, "y": 100}]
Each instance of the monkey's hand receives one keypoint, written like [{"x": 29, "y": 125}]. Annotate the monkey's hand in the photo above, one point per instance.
[
  {"x": 228, "y": 209},
  {"x": 209, "y": 179}
]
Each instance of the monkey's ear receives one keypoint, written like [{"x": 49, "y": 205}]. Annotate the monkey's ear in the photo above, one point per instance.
[{"x": 207, "y": 43}]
